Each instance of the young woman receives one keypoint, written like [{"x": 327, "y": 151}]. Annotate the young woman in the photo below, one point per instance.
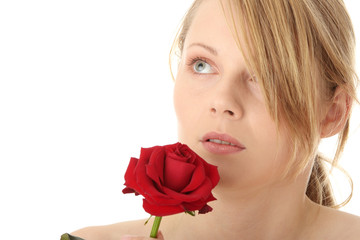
[{"x": 271, "y": 78}]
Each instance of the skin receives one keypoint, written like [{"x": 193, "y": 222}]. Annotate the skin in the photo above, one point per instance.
[{"x": 253, "y": 201}]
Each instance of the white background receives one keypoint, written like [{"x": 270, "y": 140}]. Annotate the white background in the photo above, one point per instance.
[{"x": 84, "y": 85}]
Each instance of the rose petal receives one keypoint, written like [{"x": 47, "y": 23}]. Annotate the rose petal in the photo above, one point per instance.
[
  {"x": 131, "y": 168},
  {"x": 145, "y": 185},
  {"x": 177, "y": 174},
  {"x": 162, "y": 201},
  {"x": 130, "y": 180},
  {"x": 145, "y": 153},
  {"x": 174, "y": 156},
  {"x": 161, "y": 210},
  {"x": 197, "y": 205},
  {"x": 201, "y": 193},
  {"x": 190, "y": 154},
  {"x": 157, "y": 160},
  {"x": 128, "y": 190},
  {"x": 212, "y": 173},
  {"x": 196, "y": 179},
  {"x": 155, "y": 168},
  {"x": 147, "y": 188},
  {"x": 205, "y": 209},
  {"x": 152, "y": 173}
]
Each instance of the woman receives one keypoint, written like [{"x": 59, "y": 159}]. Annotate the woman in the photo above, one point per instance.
[{"x": 269, "y": 79}]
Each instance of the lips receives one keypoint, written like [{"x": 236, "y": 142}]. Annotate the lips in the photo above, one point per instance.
[{"x": 218, "y": 143}]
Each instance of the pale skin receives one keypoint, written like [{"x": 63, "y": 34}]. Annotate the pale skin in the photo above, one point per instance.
[{"x": 215, "y": 92}]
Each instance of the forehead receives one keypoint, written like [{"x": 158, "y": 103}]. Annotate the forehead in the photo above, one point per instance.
[{"x": 213, "y": 26}]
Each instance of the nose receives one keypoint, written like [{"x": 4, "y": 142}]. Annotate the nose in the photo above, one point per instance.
[{"x": 226, "y": 102}]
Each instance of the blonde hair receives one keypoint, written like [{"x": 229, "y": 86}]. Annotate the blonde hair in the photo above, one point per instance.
[{"x": 293, "y": 36}]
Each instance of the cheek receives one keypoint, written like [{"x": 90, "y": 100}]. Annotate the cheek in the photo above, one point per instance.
[
  {"x": 262, "y": 128},
  {"x": 269, "y": 150},
  {"x": 277, "y": 148}
]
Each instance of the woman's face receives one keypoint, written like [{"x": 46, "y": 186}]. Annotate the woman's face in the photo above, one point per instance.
[{"x": 217, "y": 98}]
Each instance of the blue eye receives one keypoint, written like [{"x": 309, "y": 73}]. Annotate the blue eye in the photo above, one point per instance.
[{"x": 200, "y": 66}]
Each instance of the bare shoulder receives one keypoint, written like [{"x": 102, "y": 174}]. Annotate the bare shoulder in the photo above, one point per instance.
[
  {"x": 114, "y": 231},
  {"x": 335, "y": 224}
]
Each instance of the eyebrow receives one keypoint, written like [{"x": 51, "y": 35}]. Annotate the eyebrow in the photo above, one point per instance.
[{"x": 208, "y": 48}]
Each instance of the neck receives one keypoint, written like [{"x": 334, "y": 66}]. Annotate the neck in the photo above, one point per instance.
[{"x": 279, "y": 212}]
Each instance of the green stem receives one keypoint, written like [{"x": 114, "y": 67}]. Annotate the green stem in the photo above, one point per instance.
[{"x": 155, "y": 227}]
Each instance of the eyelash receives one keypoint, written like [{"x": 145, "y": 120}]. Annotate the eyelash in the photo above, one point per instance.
[
  {"x": 195, "y": 59},
  {"x": 192, "y": 61}
]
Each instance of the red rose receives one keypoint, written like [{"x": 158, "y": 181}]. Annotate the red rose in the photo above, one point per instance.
[{"x": 172, "y": 179}]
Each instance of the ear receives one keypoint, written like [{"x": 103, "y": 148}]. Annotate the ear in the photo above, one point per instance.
[{"x": 337, "y": 114}]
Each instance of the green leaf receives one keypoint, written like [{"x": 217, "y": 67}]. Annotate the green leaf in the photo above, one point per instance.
[
  {"x": 192, "y": 213},
  {"x": 67, "y": 236},
  {"x": 148, "y": 219}
]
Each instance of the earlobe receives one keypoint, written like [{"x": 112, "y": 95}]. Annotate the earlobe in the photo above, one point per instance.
[{"x": 337, "y": 114}]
